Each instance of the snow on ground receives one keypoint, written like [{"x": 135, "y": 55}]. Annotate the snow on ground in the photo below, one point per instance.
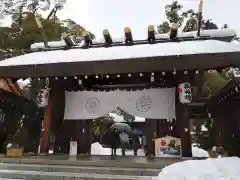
[
  {"x": 210, "y": 169},
  {"x": 198, "y": 152},
  {"x": 204, "y": 128},
  {"x": 226, "y": 168},
  {"x": 98, "y": 149}
]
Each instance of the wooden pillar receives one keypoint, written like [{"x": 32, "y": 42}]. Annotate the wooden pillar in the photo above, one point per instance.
[
  {"x": 161, "y": 128},
  {"x": 66, "y": 135},
  {"x": 47, "y": 123},
  {"x": 83, "y": 135},
  {"x": 220, "y": 125},
  {"x": 54, "y": 115},
  {"x": 151, "y": 134},
  {"x": 232, "y": 127},
  {"x": 183, "y": 128},
  {"x": 236, "y": 135}
]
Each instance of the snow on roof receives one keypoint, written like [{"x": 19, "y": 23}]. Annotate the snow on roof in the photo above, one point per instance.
[
  {"x": 118, "y": 118},
  {"x": 235, "y": 42},
  {"x": 52, "y": 44},
  {"x": 123, "y": 52},
  {"x": 210, "y": 33}
]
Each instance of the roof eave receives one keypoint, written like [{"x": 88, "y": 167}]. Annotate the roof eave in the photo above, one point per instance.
[{"x": 147, "y": 64}]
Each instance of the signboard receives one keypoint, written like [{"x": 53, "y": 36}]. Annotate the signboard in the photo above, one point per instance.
[
  {"x": 73, "y": 148},
  {"x": 168, "y": 147}
]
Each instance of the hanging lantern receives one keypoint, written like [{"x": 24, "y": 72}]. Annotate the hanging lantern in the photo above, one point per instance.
[
  {"x": 185, "y": 93},
  {"x": 42, "y": 98},
  {"x": 43, "y": 95}
]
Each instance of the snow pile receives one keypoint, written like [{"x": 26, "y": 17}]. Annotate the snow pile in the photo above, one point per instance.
[
  {"x": 209, "y": 169},
  {"x": 198, "y": 152},
  {"x": 23, "y": 83},
  {"x": 98, "y": 149},
  {"x": 204, "y": 128}
]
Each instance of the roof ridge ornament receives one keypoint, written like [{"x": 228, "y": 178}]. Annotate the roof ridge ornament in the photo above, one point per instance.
[
  {"x": 214, "y": 34},
  {"x": 173, "y": 32},
  {"x": 128, "y": 36},
  {"x": 151, "y": 34},
  {"x": 107, "y": 37},
  {"x": 87, "y": 39},
  {"x": 68, "y": 39}
]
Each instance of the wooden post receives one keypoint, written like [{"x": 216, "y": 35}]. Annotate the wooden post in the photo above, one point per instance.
[
  {"x": 154, "y": 129},
  {"x": 183, "y": 129},
  {"x": 47, "y": 123},
  {"x": 161, "y": 128},
  {"x": 182, "y": 122},
  {"x": 54, "y": 114},
  {"x": 83, "y": 134}
]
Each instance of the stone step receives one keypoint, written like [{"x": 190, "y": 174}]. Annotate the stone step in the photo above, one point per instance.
[
  {"x": 82, "y": 169},
  {"x": 10, "y": 179},
  {"x": 119, "y": 163},
  {"x": 39, "y": 175}
]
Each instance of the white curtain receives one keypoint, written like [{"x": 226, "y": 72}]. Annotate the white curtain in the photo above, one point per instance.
[{"x": 150, "y": 103}]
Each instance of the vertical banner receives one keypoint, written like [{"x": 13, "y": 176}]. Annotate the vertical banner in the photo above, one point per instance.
[
  {"x": 168, "y": 146},
  {"x": 73, "y": 148}
]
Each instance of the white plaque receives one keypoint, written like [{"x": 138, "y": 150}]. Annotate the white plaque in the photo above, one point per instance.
[{"x": 73, "y": 148}]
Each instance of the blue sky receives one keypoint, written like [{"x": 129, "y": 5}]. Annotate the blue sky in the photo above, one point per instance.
[{"x": 96, "y": 15}]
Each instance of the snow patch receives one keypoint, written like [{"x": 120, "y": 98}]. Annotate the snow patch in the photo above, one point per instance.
[
  {"x": 98, "y": 149},
  {"x": 23, "y": 83},
  {"x": 198, "y": 152},
  {"x": 210, "y": 169}
]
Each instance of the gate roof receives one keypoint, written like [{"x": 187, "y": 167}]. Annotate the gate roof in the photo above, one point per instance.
[{"x": 166, "y": 56}]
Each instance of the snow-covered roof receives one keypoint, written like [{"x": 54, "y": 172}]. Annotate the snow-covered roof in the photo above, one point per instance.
[
  {"x": 124, "y": 59},
  {"x": 123, "y": 52},
  {"x": 52, "y": 44},
  {"x": 235, "y": 42},
  {"x": 213, "y": 33}
]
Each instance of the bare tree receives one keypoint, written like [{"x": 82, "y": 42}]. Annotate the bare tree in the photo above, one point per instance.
[{"x": 18, "y": 8}]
